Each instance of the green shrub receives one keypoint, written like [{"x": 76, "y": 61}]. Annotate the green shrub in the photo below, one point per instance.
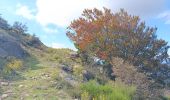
[
  {"x": 166, "y": 97},
  {"x": 118, "y": 91},
  {"x": 13, "y": 65}
]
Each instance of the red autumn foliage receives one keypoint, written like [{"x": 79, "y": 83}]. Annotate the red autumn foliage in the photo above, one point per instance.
[{"x": 106, "y": 35}]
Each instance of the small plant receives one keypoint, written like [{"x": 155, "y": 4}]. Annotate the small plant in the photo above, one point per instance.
[
  {"x": 85, "y": 95},
  {"x": 117, "y": 91},
  {"x": 77, "y": 70},
  {"x": 13, "y": 65}
]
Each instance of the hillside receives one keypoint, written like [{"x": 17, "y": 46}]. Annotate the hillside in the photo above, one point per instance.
[
  {"x": 53, "y": 75},
  {"x": 29, "y": 70},
  {"x": 15, "y": 43},
  {"x": 40, "y": 80}
]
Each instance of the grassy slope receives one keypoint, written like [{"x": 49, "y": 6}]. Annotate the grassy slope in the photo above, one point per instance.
[{"x": 39, "y": 77}]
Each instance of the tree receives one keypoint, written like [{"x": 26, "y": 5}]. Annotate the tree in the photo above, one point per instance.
[
  {"x": 19, "y": 27},
  {"x": 4, "y": 24},
  {"x": 105, "y": 35}
]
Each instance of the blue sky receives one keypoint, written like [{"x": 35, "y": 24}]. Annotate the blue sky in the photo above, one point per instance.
[{"x": 48, "y": 19}]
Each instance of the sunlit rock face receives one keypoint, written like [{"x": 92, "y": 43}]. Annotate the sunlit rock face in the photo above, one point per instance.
[{"x": 9, "y": 46}]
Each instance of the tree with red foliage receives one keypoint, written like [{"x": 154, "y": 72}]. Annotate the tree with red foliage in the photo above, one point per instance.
[{"x": 105, "y": 35}]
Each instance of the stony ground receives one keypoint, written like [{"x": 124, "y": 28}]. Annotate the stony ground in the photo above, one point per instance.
[
  {"x": 36, "y": 84},
  {"x": 40, "y": 82},
  {"x": 46, "y": 76}
]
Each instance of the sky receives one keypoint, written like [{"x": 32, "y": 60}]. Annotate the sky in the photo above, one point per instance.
[{"x": 48, "y": 19}]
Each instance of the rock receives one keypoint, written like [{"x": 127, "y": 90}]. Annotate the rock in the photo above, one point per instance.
[
  {"x": 8, "y": 91},
  {"x": 42, "y": 88},
  {"x": 168, "y": 74},
  {"x": 4, "y": 83},
  {"x": 67, "y": 69},
  {"x": 87, "y": 75},
  {"x": 167, "y": 93},
  {"x": 26, "y": 95},
  {"x": 47, "y": 75},
  {"x": 33, "y": 78},
  {"x": 101, "y": 69},
  {"x": 71, "y": 81},
  {"x": 4, "y": 96},
  {"x": 10, "y": 47},
  {"x": 44, "y": 75},
  {"x": 167, "y": 82},
  {"x": 74, "y": 55},
  {"x": 21, "y": 86},
  {"x": 59, "y": 86},
  {"x": 22, "y": 98}
]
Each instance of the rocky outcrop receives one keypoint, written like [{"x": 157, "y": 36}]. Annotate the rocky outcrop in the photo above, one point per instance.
[
  {"x": 15, "y": 44},
  {"x": 67, "y": 69},
  {"x": 10, "y": 47},
  {"x": 87, "y": 75}
]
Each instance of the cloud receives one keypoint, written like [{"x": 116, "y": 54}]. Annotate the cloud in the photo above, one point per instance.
[
  {"x": 49, "y": 30},
  {"x": 142, "y": 8},
  {"x": 25, "y": 12},
  {"x": 58, "y": 45},
  {"x": 62, "y": 12},
  {"x": 169, "y": 52},
  {"x": 61, "y": 45},
  {"x": 166, "y": 16}
]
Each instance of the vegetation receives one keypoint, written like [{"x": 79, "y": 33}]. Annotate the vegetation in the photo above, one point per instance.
[
  {"x": 105, "y": 35},
  {"x": 118, "y": 58},
  {"x": 14, "y": 64},
  {"x": 10, "y": 68},
  {"x": 4, "y": 24},
  {"x": 117, "y": 91},
  {"x": 19, "y": 27}
]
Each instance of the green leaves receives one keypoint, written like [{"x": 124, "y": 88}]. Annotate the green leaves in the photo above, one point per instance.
[{"x": 115, "y": 91}]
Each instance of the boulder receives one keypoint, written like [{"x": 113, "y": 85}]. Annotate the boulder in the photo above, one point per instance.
[
  {"x": 4, "y": 96},
  {"x": 74, "y": 55},
  {"x": 11, "y": 47},
  {"x": 4, "y": 83},
  {"x": 87, "y": 75},
  {"x": 67, "y": 69},
  {"x": 71, "y": 81},
  {"x": 21, "y": 86}
]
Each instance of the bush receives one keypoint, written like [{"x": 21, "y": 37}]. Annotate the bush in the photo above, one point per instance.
[
  {"x": 13, "y": 65},
  {"x": 19, "y": 27},
  {"x": 4, "y": 24},
  {"x": 118, "y": 91}
]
